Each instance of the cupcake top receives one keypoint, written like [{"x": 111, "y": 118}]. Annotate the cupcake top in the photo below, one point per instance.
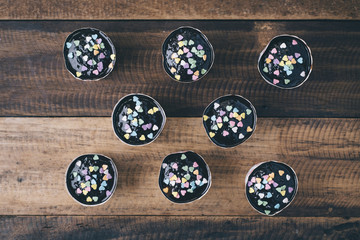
[
  {"x": 138, "y": 119},
  {"x": 184, "y": 177},
  {"x": 229, "y": 120},
  {"x": 270, "y": 187},
  {"x": 91, "y": 179},
  {"x": 286, "y": 62},
  {"x": 89, "y": 54},
  {"x": 187, "y": 54}
]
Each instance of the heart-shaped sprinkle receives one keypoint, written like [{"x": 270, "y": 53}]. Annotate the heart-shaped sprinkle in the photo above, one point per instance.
[
  {"x": 240, "y": 124},
  {"x": 96, "y": 72},
  {"x": 248, "y": 111},
  {"x": 78, "y": 53},
  {"x": 191, "y": 42},
  {"x": 108, "y": 193},
  {"x": 276, "y": 61},
  {"x": 68, "y": 45},
  {"x": 234, "y": 129},
  {"x": 189, "y": 72},
  {"x": 273, "y": 51},
  {"x": 297, "y": 55},
  {"x": 211, "y": 134},
  {"x": 150, "y": 135},
  {"x": 241, "y": 136},
  {"x": 286, "y": 200},
  {"x": 283, "y": 45},
  {"x": 300, "y": 60},
  {"x": 275, "y": 81},
  {"x": 195, "y": 164},
  {"x": 302, "y": 74},
  {"x": 101, "y": 56},
  {"x": 271, "y": 57},
  {"x": 276, "y": 72},
  {"x": 294, "y": 42}
]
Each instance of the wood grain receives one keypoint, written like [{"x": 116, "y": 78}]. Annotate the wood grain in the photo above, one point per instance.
[
  {"x": 35, "y": 153},
  {"x": 153, "y": 227},
  {"x": 186, "y": 9},
  {"x": 34, "y": 81}
]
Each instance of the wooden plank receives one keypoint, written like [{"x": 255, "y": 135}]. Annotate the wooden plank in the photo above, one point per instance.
[
  {"x": 187, "y": 9},
  {"x": 34, "y": 81},
  {"x": 35, "y": 153},
  {"x": 178, "y": 227}
]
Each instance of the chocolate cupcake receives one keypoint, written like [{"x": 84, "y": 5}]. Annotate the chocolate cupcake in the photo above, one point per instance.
[
  {"x": 91, "y": 179},
  {"x": 229, "y": 120},
  {"x": 184, "y": 177},
  {"x": 270, "y": 187},
  {"x": 187, "y": 54},
  {"x": 89, "y": 54},
  {"x": 286, "y": 62},
  {"x": 138, "y": 119}
]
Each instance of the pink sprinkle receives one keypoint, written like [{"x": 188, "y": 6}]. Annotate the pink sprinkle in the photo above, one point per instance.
[
  {"x": 189, "y": 55},
  {"x": 96, "y": 72},
  {"x": 265, "y": 176},
  {"x": 225, "y": 133},
  {"x": 183, "y": 192},
  {"x": 186, "y": 184},
  {"x": 99, "y": 40},
  {"x": 271, "y": 56},
  {"x": 189, "y": 72},
  {"x": 240, "y": 124},
  {"x": 101, "y": 56},
  {"x": 178, "y": 180},
  {"x": 276, "y": 61},
  {"x": 232, "y": 123},
  {"x": 276, "y": 72},
  {"x": 175, "y": 166},
  {"x": 267, "y": 187},
  {"x": 87, "y": 189},
  {"x": 100, "y": 66},
  {"x": 194, "y": 77},
  {"x": 290, "y": 57},
  {"x": 297, "y": 55},
  {"x": 83, "y": 68},
  {"x": 90, "y": 62},
  {"x": 219, "y": 120},
  {"x": 222, "y": 113},
  {"x": 78, "y": 191},
  {"x": 270, "y": 182},
  {"x": 249, "y": 183},
  {"x": 87, "y": 178},
  {"x": 290, "y": 189},
  {"x": 108, "y": 193},
  {"x": 273, "y": 51},
  {"x": 275, "y": 184},
  {"x": 84, "y": 172},
  {"x": 186, "y": 65},
  {"x": 253, "y": 179},
  {"x": 109, "y": 176},
  {"x": 178, "y": 196},
  {"x": 180, "y": 37},
  {"x": 195, "y": 164},
  {"x": 231, "y": 115},
  {"x": 276, "y": 81},
  {"x": 198, "y": 177},
  {"x": 294, "y": 42},
  {"x": 199, "y": 47},
  {"x": 185, "y": 50}
]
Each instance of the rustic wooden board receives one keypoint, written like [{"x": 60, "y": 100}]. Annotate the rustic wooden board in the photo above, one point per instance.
[
  {"x": 34, "y": 81},
  {"x": 36, "y": 152},
  {"x": 163, "y": 227},
  {"x": 187, "y": 9}
]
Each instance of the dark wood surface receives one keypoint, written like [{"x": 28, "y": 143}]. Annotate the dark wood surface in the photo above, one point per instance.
[
  {"x": 47, "y": 118},
  {"x": 34, "y": 80}
]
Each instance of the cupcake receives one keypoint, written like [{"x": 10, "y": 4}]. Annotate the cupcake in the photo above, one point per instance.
[
  {"x": 229, "y": 120},
  {"x": 286, "y": 62},
  {"x": 138, "y": 119},
  {"x": 187, "y": 54},
  {"x": 89, "y": 54},
  {"x": 184, "y": 177},
  {"x": 271, "y": 187},
  {"x": 91, "y": 179}
]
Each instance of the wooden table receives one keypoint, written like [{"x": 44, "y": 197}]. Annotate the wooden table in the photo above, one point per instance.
[{"x": 48, "y": 118}]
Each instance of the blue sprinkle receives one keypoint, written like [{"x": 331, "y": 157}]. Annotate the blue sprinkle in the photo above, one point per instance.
[
  {"x": 135, "y": 114},
  {"x": 130, "y": 117},
  {"x": 288, "y": 73},
  {"x": 269, "y": 195},
  {"x": 101, "y": 188},
  {"x": 277, "y": 206},
  {"x": 68, "y": 45},
  {"x": 94, "y": 176},
  {"x": 103, "y": 183},
  {"x": 93, "y": 181},
  {"x": 286, "y": 67},
  {"x": 235, "y": 110},
  {"x": 135, "y": 124},
  {"x": 264, "y": 181},
  {"x": 192, "y": 184},
  {"x": 300, "y": 60},
  {"x": 166, "y": 181},
  {"x": 138, "y": 103},
  {"x": 150, "y": 135},
  {"x": 135, "y": 98},
  {"x": 213, "y": 118},
  {"x": 133, "y": 134},
  {"x": 78, "y": 178},
  {"x": 94, "y": 36}
]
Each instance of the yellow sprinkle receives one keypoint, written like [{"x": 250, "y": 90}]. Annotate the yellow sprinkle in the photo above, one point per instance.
[
  {"x": 220, "y": 125},
  {"x": 172, "y": 70},
  {"x": 211, "y": 134},
  {"x": 205, "y": 117},
  {"x": 258, "y": 180},
  {"x": 142, "y": 138},
  {"x": 269, "y": 179},
  {"x": 105, "y": 178},
  {"x": 180, "y": 52},
  {"x": 177, "y": 77},
  {"x": 112, "y": 56},
  {"x": 96, "y": 47},
  {"x": 78, "y": 74},
  {"x": 293, "y": 61},
  {"x": 183, "y": 180},
  {"x": 180, "y": 43},
  {"x": 94, "y": 186},
  {"x": 111, "y": 65},
  {"x": 268, "y": 60},
  {"x": 85, "y": 192},
  {"x": 129, "y": 111},
  {"x": 204, "y": 57},
  {"x": 165, "y": 190},
  {"x": 88, "y": 199},
  {"x": 155, "y": 109},
  {"x": 249, "y": 129},
  {"x": 235, "y": 114},
  {"x": 281, "y": 63},
  {"x": 288, "y": 63},
  {"x": 272, "y": 175},
  {"x": 82, "y": 185},
  {"x": 174, "y": 55},
  {"x": 96, "y": 52},
  {"x": 251, "y": 190},
  {"x": 91, "y": 168},
  {"x": 196, "y": 172},
  {"x": 285, "y": 58},
  {"x": 174, "y": 194},
  {"x": 281, "y": 172},
  {"x": 173, "y": 178},
  {"x": 196, "y": 73},
  {"x": 104, "y": 166},
  {"x": 151, "y": 111},
  {"x": 127, "y": 136},
  {"x": 177, "y": 60},
  {"x": 283, "y": 192}
]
